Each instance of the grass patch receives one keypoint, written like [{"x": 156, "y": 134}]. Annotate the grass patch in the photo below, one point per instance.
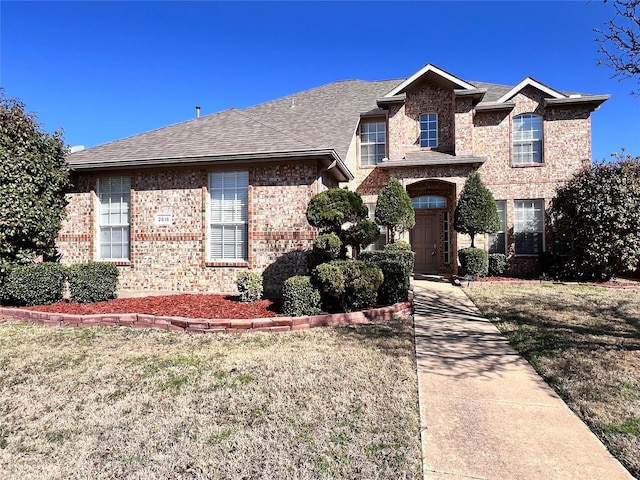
[
  {"x": 134, "y": 403},
  {"x": 585, "y": 341}
]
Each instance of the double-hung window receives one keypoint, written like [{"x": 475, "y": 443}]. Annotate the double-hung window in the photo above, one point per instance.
[
  {"x": 429, "y": 130},
  {"x": 228, "y": 216},
  {"x": 373, "y": 142},
  {"x": 528, "y": 226},
  {"x": 527, "y": 139},
  {"x": 114, "y": 196},
  {"x": 497, "y": 243}
]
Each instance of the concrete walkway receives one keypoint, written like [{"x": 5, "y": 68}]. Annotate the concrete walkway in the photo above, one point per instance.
[{"x": 485, "y": 413}]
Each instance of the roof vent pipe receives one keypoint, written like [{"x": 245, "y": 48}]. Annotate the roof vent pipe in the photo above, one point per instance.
[{"x": 197, "y": 111}]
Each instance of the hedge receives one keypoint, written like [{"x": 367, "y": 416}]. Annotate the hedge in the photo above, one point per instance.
[
  {"x": 93, "y": 282},
  {"x": 497, "y": 264},
  {"x": 300, "y": 297},
  {"x": 353, "y": 283},
  {"x": 35, "y": 284}
]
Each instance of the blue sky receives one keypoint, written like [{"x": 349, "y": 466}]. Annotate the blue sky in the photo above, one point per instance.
[{"x": 107, "y": 70}]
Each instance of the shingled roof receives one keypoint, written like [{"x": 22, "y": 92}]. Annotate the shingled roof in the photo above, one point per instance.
[{"x": 316, "y": 122}]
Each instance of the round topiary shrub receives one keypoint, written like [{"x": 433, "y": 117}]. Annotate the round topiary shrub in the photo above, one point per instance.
[
  {"x": 474, "y": 261},
  {"x": 497, "y": 264}
]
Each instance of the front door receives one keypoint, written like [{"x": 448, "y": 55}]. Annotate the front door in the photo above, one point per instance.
[{"x": 424, "y": 240}]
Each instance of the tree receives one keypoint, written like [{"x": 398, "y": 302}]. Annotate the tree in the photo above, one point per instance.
[
  {"x": 598, "y": 210},
  {"x": 476, "y": 211},
  {"x": 620, "y": 42},
  {"x": 343, "y": 213},
  {"x": 394, "y": 209},
  {"x": 33, "y": 181}
]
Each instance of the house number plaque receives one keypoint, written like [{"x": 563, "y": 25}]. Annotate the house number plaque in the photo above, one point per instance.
[{"x": 163, "y": 219}]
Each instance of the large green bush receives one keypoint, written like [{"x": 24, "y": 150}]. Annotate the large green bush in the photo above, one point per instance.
[
  {"x": 300, "y": 297},
  {"x": 474, "y": 261},
  {"x": 397, "y": 267},
  {"x": 93, "y": 282},
  {"x": 249, "y": 285},
  {"x": 598, "y": 212},
  {"x": 36, "y": 284},
  {"x": 394, "y": 209},
  {"x": 342, "y": 212},
  {"x": 497, "y": 264},
  {"x": 476, "y": 211},
  {"x": 353, "y": 283},
  {"x": 397, "y": 246}
]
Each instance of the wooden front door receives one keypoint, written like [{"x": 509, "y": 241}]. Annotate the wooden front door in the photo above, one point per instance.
[{"x": 424, "y": 241}]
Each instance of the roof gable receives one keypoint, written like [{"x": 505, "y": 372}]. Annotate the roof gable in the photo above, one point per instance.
[
  {"x": 431, "y": 70},
  {"x": 530, "y": 82}
]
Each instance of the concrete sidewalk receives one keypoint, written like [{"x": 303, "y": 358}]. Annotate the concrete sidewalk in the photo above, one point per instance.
[{"x": 485, "y": 413}]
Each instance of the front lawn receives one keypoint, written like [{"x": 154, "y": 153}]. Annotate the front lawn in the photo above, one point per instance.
[
  {"x": 136, "y": 403},
  {"x": 585, "y": 341}
]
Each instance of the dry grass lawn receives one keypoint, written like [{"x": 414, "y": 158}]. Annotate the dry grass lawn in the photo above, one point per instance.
[
  {"x": 585, "y": 341},
  {"x": 146, "y": 404}
]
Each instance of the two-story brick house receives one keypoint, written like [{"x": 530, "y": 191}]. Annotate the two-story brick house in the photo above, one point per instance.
[{"x": 187, "y": 206}]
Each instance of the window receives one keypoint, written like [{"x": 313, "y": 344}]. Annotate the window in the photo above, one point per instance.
[
  {"x": 373, "y": 142},
  {"x": 382, "y": 238},
  {"x": 529, "y": 226},
  {"x": 429, "y": 201},
  {"x": 527, "y": 139},
  {"x": 228, "y": 210},
  {"x": 497, "y": 243},
  {"x": 429, "y": 130},
  {"x": 114, "y": 196}
]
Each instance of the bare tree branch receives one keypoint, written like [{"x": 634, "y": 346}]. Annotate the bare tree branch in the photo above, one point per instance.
[{"x": 619, "y": 43}]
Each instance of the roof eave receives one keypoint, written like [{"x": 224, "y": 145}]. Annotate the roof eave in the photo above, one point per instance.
[
  {"x": 394, "y": 99},
  {"x": 493, "y": 106},
  {"x": 429, "y": 68},
  {"x": 476, "y": 94},
  {"x": 329, "y": 154},
  {"x": 594, "y": 101}
]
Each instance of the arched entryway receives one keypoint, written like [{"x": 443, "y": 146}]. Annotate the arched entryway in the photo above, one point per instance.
[{"x": 431, "y": 238}]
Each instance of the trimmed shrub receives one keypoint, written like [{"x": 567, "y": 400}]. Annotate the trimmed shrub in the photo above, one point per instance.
[
  {"x": 353, "y": 283},
  {"x": 36, "y": 284},
  {"x": 551, "y": 265},
  {"x": 497, "y": 264},
  {"x": 474, "y": 261},
  {"x": 300, "y": 297},
  {"x": 397, "y": 266},
  {"x": 5, "y": 270},
  {"x": 249, "y": 285},
  {"x": 397, "y": 246},
  {"x": 93, "y": 282},
  {"x": 326, "y": 247}
]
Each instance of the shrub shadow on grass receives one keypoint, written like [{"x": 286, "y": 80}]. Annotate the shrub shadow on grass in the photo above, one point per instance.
[{"x": 394, "y": 337}]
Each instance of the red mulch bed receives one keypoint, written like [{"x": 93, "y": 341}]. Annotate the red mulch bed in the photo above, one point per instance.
[{"x": 185, "y": 305}]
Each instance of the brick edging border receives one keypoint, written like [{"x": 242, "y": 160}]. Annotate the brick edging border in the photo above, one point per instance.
[{"x": 203, "y": 325}]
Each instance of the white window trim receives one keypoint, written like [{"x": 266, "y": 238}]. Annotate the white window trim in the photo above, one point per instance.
[
  {"x": 363, "y": 143},
  {"x": 420, "y": 129},
  {"x": 503, "y": 225},
  {"x": 539, "y": 141},
  {"x": 541, "y": 232},
  {"x": 100, "y": 225},
  {"x": 210, "y": 224}
]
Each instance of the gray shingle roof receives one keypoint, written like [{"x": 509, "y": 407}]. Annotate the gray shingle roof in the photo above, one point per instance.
[{"x": 321, "y": 120}]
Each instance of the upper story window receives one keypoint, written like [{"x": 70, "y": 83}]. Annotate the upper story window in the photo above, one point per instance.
[
  {"x": 429, "y": 201},
  {"x": 228, "y": 216},
  {"x": 373, "y": 142},
  {"x": 429, "y": 130},
  {"x": 114, "y": 196},
  {"x": 527, "y": 139}
]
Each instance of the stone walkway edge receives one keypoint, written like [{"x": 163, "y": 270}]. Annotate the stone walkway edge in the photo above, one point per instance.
[{"x": 202, "y": 325}]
